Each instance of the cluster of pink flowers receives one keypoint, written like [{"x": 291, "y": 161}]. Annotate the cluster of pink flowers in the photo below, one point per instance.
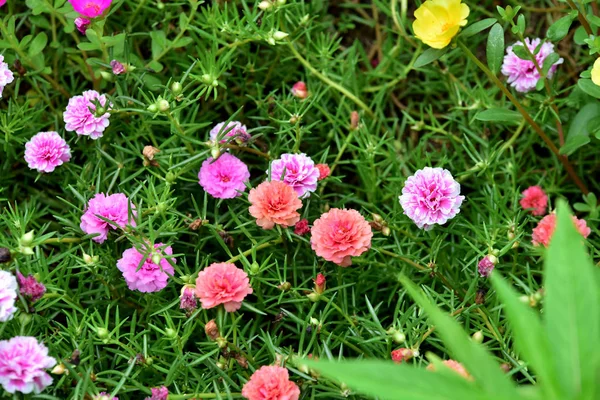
[
  {"x": 222, "y": 283},
  {"x": 6, "y": 75},
  {"x": 115, "y": 208},
  {"x": 8, "y": 295},
  {"x": 82, "y": 117},
  {"x": 23, "y": 361},
  {"x": 46, "y": 151},
  {"x": 147, "y": 271},
  {"x": 225, "y": 177},
  {"x": 298, "y": 171},
  {"x": 271, "y": 382}
]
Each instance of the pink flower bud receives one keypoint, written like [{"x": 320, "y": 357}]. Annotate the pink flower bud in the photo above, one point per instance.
[
  {"x": 320, "y": 283},
  {"x": 30, "y": 287},
  {"x": 402, "y": 355},
  {"x": 82, "y": 24},
  {"x": 300, "y": 90},
  {"x": 187, "y": 298},
  {"x": 301, "y": 228},
  {"x": 117, "y": 67},
  {"x": 324, "y": 171},
  {"x": 486, "y": 265}
]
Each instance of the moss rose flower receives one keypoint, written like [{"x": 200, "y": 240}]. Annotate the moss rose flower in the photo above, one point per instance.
[
  {"x": 274, "y": 202},
  {"x": 298, "y": 171},
  {"x": 152, "y": 276},
  {"x": 115, "y": 208},
  {"x": 225, "y": 177},
  {"x": 543, "y": 232},
  {"x": 80, "y": 115},
  {"x": 22, "y": 365},
  {"x": 271, "y": 382},
  {"x": 438, "y": 21},
  {"x": 8, "y": 295},
  {"x": 222, "y": 283},
  {"x": 46, "y": 151}
]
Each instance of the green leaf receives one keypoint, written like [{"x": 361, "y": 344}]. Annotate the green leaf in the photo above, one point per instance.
[
  {"x": 572, "y": 309},
  {"x": 549, "y": 62},
  {"x": 560, "y": 28},
  {"x": 429, "y": 56},
  {"x": 530, "y": 338},
  {"x": 477, "y": 27},
  {"x": 184, "y": 41},
  {"x": 38, "y": 44},
  {"x": 159, "y": 42},
  {"x": 389, "y": 381},
  {"x": 495, "y": 48},
  {"x": 580, "y": 129},
  {"x": 521, "y": 52},
  {"x": 499, "y": 115},
  {"x": 572, "y": 144},
  {"x": 589, "y": 87},
  {"x": 476, "y": 359}
]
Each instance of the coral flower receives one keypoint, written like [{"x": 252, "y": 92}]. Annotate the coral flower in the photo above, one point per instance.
[
  {"x": 542, "y": 233},
  {"x": 46, "y": 151},
  {"x": 80, "y": 115},
  {"x": 234, "y": 131},
  {"x": 225, "y": 177},
  {"x": 22, "y": 365},
  {"x": 90, "y": 8},
  {"x": 6, "y": 75},
  {"x": 222, "y": 283},
  {"x": 431, "y": 196},
  {"x": 274, "y": 202},
  {"x": 271, "y": 383},
  {"x": 339, "y": 235},
  {"x": 30, "y": 287},
  {"x": 535, "y": 200},
  {"x": 454, "y": 365},
  {"x": 324, "y": 171},
  {"x": 8, "y": 295},
  {"x": 522, "y": 74},
  {"x": 438, "y": 21},
  {"x": 298, "y": 171},
  {"x": 114, "y": 208},
  {"x": 596, "y": 72},
  {"x": 147, "y": 272}
]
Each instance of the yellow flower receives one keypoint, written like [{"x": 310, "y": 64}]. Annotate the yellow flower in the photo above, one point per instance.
[
  {"x": 438, "y": 21},
  {"x": 596, "y": 72}
]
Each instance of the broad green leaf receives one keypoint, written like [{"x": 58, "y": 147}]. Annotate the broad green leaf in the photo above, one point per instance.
[
  {"x": 182, "y": 42},
  {"x": 572, "y": 309},
  {"x": 530, "y": 338},
  {"x": 501, "y": 115},
  {"x": 572, "y": 144},
  {"x": 589, "y": 87},
  {"x": 549, "y": 62},
  {"x": 476, "y": 359},
  {"x": 521, "y": 52},
  {"x": 560, "y": 28},
  {"x": 429, "y": 56},
  {"x": 495, "y": 48},
  {"x": 389, "y": 381},
  {"x": 159, "y": 42},
  {"x": 38, "y": 44},
  {"x": 581, "y": 128},
  {"x": 477, "y": 27}
]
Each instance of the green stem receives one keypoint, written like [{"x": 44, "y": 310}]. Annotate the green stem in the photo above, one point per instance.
[
  {"x": 581, "y": 17},
  {"x": 205, "y": 396},
  {"x": 61, "y": 240},
  {"x": 259, "y": 247}
]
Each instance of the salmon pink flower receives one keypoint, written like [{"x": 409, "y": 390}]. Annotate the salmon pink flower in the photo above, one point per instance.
[
  {"x": 6, "y": 75},
  {"x": 90, "y": 8},
  {"x": 271, "y": 382},
  {"x": 114, "y": 208},
  {"x": 535, "y": 200},
  {"x": 542, "y": 233},
  {"x": 8, "y": 295},
  {"x": 149, "y": 270},
  {"x": 225, "y": 177},
  {"x": 22, "y": 365},
  {"x": 46, "y": 150},
  {"x": 340, "y": 234},
  {"x": 298, "y": 171},
  {"x": 222, "y": 283},
  {"x": 274, "y": 202},
  {"x": 81, "y": 117}
]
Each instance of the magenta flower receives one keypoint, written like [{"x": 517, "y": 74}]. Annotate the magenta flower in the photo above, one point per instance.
[
  {"x": 6, "y": 75},
  {"x": 486, "y": 265},
  {"x": 117, "y": 67},
  {"x": 431, "y": 196},
  {"x": 154, "y": 272},
  {"x": 187, "y": 299},
  {"x": 82, "y": 24},
  {"x": 115, "y": 208},
  {"x": 161, "y": 393},
  {"x": 90, "y": 8},
  {"x": 225, "y": 177},
  {"x": 298, "y": 171},
  {"x": 30, "y": 287},
  {"x": 80, "y": 115},
  {"x": 22, "y": 364},
  {"x": 234, "y": 131},
  {"x": 2, "y": 2},
  {"x": 522, "y": 74},
  {"x": 46, "y": 151},
  {"x": 8, "y": 295}
]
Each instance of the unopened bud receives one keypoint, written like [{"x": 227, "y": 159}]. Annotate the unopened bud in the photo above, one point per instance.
[
  {"x": 59, "y": 369},
  {"x": 278, "y": 35},
  {"x": 254, "y": 268},
  {"x": 354, "y": 120},
  {"x": 102, "y": 333},
  {"x": 477, "y": 337},
  {"x": 156, "y": 258},
  {"x": 386, "y": 231},
  {"x": 170, "y": 177},
  {"x": 221, "y": 342},
  {"x": 280, "y": 2},
  {"x": 314, "y": 321},
  {"x": 152, "y": 108},
  {"x": 170, "y": 333},
  {"x": 314, "y": 297},
  {"x": 176, "y": 88},
  {"x": 163, "y": 105},
  {"x": 304, "y": 19},
  {"x": 285, "y": 286},
  {"x": 515, "y": 245},
  {"x": 265, "y": 5},
  {"x": 398, "y": 337},
  {"x": 215, "y": 152},
  {"x": 107, "y": 76},
  {"x": 27, "y": 239}
]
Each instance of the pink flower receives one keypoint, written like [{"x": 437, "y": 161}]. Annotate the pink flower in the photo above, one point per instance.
[
  {"x": 30, "y": 287},
  {"x": 535, "y": 200},
  {"x": 301, "y": 228},
  {"x": 454, "y": 365},
  {"x": 300, "y": 90},
  {"x": 339, "y": 235},
  {"x": 234, "y": 131},
  {"x": 22, "y": 364},
  {"x": 117, "y": 67},
  {"x": 298, "y": 171},
  {"x": 324, "y": 171},
  {"x": 187, "y": 299},
  {"x": 104, "y": 396},
  {"x": 225, "y": 177},
  {"x": 161, "y": 393},
  {"x": 90, "y": 8},
  {"x": 147, "y": 272},
  {"x": 8, "y": 295},
  {"x": 402, "y": 355},
  {"x": 115, "y": 208},
  {"x": 486, "y": 265},
  {"x": 2, "y": 2},
  {"x": 46, "y": 150},
  {"x": 82, "y": 24},
  {"x": 431, "y": 196},
  {"x": 222, "y": 283},
  {"x": 80, "y": 114},
  {"x": 522, "y": 74},
  {"x": 6, "y": 75},
  {"x": 274, "y": 202},
  {"x": 271, "y": 383},
  {"x": 543, "y": 232}
]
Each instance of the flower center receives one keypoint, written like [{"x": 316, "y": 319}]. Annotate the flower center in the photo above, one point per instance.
[
  {"x": 93, "y": 6},
  {"x": 446, "y": 26}
]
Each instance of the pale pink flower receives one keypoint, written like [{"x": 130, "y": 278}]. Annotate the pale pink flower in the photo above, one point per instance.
[
  {"x": 300, "y": 90},
  {"x": 46, "y": 150},
  {"x": 534, "y": 200},
  {"x": 542, "y": 233},
  {"x": 298, "y": 171},
  {"x": 82, "y": 24},
  {"x": 222, "y": 283},
  {"x": 431, "y": 196},
  {"x": 80, "y": 114},
  {"x": 234, "y": 131},
  {"x": 522, "y": 74},
  {"x": 90, "y": 8},
  {"x": 324, "y": 171},
  {"x": 486, "y": 265},
  {"x": 187, "y": 298},
  {"x": 22, "y": 365},
  {"x": 147, "y": 270},
  {"x": 114, "y": 207},
  {"x": 6, "y": 75},
  {"x": 271, "y": 383},
  {"x": 274, "y": 202},
  {"x": 340, "y": 234},
  {"x": 117, "y": 67},
  {"x": 160, "y": 393},
  {"x": 8, "y": 295},
  {"x": 225, "y": 177},
  {"x": 30, "y": 287}
]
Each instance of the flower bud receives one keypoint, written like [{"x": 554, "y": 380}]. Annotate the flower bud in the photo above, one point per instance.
[
  {"x": 102, "y": 333},
  {"x": 171, "y": 177},
  {"x": 314, "y": 297},
  {"x": 399, "y": 337},
  {"x": 170, "y": 333},
  {"x": 163, "y": 105},
  {"x": 285, "y": 286},
  {"x": 27, "y": 239},
  {"x": 59, "y": 369},
  {"x": 215, "y": 152},
  {"x": 300, "y": 90},
  {"x": 386, "y": 231},
  {"x": 354, "y": 120},
  {"x": 156, "y": 258},
  {"x": 304, "y": 19},
  {"x": 89, "y": 260},
  {"x": 278, "y": 35},
  {"x": 477, "y": 337},
  {"x": 212, "y": 330},
  {"x": 221, "y": 342},
  {"x": 152, "y": 108},
  {"x": 176, "y": 88},
  {"x": 207, "y": 79},
  {"x": 265, "y": 5},
  {"x": 281, "y": 2},
  {"x": 107, "y": 76},
  {"x": 254, "y": 268}
]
